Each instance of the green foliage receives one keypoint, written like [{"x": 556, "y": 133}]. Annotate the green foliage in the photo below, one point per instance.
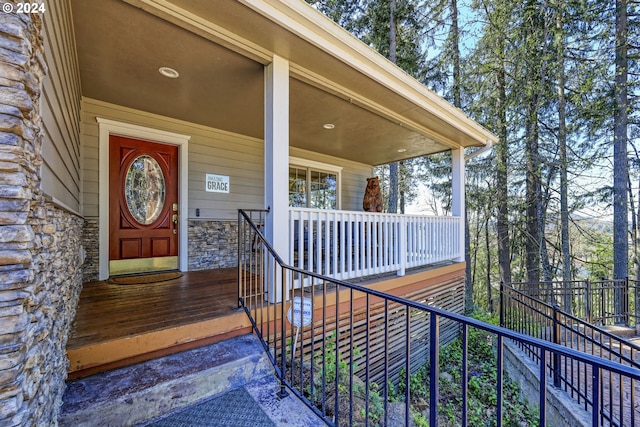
[
  {"x": 333, "y": 367},
  {"x": 420, "y": 420},
  {"x": 329, "y": 367}
]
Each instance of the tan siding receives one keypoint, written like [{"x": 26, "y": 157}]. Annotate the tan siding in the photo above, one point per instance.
[{"x": 60, "y": 107}]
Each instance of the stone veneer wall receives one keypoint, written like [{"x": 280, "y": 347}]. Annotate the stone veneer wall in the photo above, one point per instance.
[
  {"x": 40, "y": 244},
  {"x": 212, "y": 244},
  {"x": 91, "y": 245}
]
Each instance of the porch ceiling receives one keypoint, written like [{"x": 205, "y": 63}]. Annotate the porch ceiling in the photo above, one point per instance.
[{"x": 219, "y": 48}]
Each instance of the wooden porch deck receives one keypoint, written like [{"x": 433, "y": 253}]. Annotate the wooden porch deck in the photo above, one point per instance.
[{"x": 117, "y": 325}]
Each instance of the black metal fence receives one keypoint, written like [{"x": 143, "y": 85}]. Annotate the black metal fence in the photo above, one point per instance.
[
  {"x": 600, "y": 302},
  {"x": 339, "y": 346},
  {"x": 614, "y": 395}
]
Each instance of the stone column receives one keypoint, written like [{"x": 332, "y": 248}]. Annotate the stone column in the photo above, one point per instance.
[{"x": 40, "y": 273}]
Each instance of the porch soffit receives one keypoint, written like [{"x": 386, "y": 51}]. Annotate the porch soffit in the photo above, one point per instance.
[{"x": 220, "y": 48}]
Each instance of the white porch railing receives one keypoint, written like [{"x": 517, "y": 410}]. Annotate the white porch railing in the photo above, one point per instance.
[{"x": 348, "y": 244}]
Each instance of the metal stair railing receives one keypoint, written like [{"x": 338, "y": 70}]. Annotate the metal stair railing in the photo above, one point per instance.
[
  {"x": 331, "y": 341},
  {"x": 599, "y": 302},
  {"x": 529, "y": 315}
]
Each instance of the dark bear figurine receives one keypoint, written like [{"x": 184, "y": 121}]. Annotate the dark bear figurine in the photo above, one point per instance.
[{"x": 372, "y": 201}]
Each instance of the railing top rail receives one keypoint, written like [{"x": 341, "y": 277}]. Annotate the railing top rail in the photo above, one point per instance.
[
  {"x": 578, "y": 281},
  {"x": 497, "y": 330},
  {"x": 381, "y": 214},
  {"x": 547, "y": 283},
  {"x": 573, "y": 318}
]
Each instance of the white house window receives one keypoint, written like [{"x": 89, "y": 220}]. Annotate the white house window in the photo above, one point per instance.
[{"x": 314, "y": 185}]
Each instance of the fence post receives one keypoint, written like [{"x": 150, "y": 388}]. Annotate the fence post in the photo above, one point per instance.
[
  {"x": 555, "y": 331},
  {"x": 625, "y": 301},
  {"x": 603, "y": 307},
  {"x": 636, "y": 293},
  {"x": 502, "y": 303},
  {"x": 283, "y": 335},
  {"x": 568, "y": 296},
  {"x": 634, "y": 290},
  {"x": 588, "y": 301},
  {"x": 402, "y": 245}
]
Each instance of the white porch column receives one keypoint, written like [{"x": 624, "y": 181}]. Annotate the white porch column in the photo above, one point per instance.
[
  {"x": 276, "y": 159},
  {"x": 458, "y": 203}
]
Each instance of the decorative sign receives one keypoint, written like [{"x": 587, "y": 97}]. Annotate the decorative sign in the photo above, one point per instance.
[
  {"x": 300, "y": 312},
  {"x": 217, "y": 183}
]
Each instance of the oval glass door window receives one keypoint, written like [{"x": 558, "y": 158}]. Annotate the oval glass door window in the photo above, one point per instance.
[{"x": 144, "y": 189}]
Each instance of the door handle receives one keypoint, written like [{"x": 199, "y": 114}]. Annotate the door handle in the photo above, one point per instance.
[{"x": 174, "y": 218}]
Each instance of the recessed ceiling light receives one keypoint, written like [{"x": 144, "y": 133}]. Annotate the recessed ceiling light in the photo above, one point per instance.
[
  {"x": 328, "y": 126},
  {"x": 402, "y": 150},
  {"x": 168, "y": 72}
]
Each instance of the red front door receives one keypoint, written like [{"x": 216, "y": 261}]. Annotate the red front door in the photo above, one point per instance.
[{"x": 143, "y": 206}]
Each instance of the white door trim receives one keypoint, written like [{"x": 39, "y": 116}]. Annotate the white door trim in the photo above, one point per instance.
[{"x": 111, "y": 127}]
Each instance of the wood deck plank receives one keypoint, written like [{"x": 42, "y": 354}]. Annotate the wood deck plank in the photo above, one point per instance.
[{"x": 109, "y": 311}]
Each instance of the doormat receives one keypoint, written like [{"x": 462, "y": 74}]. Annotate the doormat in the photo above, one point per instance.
[
  {"x": 143, "y": 279},
  {"x": 234, "y": 409}
]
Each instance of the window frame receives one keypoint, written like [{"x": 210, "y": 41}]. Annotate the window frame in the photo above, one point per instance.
[{"x": 312, "y": 165}]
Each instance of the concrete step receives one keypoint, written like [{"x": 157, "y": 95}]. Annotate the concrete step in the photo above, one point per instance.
[{"x": 136, "y": 394}]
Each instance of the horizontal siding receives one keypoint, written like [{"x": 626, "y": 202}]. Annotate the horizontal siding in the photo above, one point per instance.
[
  {"x": 210, "y": 151},
  {"x": 60, "y": 109}
]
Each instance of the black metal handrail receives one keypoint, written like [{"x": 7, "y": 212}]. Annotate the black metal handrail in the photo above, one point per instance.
[
  {"x": 599, "y": 302},
  {"x": 524, "y": 313},
  {"x": 329, "y": 344}
]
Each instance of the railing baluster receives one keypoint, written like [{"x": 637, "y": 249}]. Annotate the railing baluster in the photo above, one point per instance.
[
  {"x": 385, "y": 357},
  {"x": 351, "y": 361},
  {"x": 283, "y": 326},
  {"x": 595, "y": 405},
  {"x": 434, "y": 373},
  {"x": 407, "y": 366},
  {"x": 367, "y": 385},
  {"x": 465, "y": 374},
  {"x": 543, "y": 389},
  {"x": 499, "y": 373},
  {"x": 324, "y": 349},
  {"x": 336, "y": 389},
  {"x": 402, "y": 245}
]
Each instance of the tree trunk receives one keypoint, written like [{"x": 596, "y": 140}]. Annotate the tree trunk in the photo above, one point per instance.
[
  {"x": 502, "y": 221},
  {"x": 394, "y": 186},
  {"x": 620, "y": 162},
  {"x": 636, "y": 245},
  {"x": 402, "y": 175},
  {"x": 488, "y": 249},
  {"x": 564, "y": 164},
  {"x": 455, "y": 43},
  {"x": 533, "y": 196},
  {"x": 457, "y": 101}
]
